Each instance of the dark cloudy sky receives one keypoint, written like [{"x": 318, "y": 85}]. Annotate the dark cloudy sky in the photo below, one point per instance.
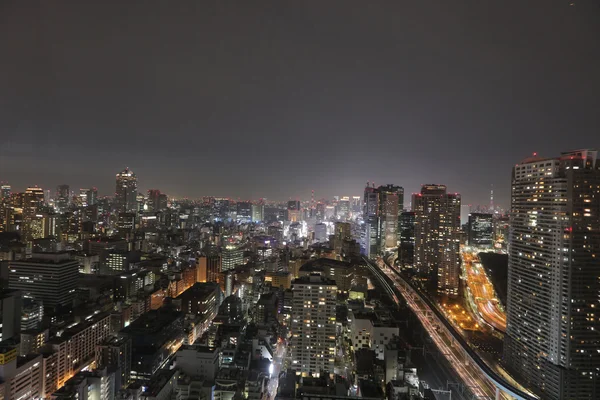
[{"x": 275, "y": 98}]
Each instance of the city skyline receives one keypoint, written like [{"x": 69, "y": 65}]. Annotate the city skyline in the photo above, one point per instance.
[
  {"x": 277, "y": 200},
  {"x": 233, "y": 94}
]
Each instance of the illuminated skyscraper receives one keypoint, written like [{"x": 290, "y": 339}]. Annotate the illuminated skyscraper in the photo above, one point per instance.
[
  {"x": 34, "y": 200},
  {"x": 391, "y": 199},
  {"x": 481, "y": 230},
  {"x": 293, "y": 211},
  {"x": 157, "y": 201},
  {"x": 244, "y": 211},
  {"x": 5, "y": 191},
  {"x": 63, "y": 197},
  {"x": 381, "y": 208},
  {"x": 258, "y": 212},
  {"x": 370, "y": 239},
  {"x": 553, "y": 328},
  {"x": 437, "y": 242},
  {"x": 343, "y": 211},
  {"x": 356, "y": 205},
  {"x": 313, "y": 325},
  {"x": 406, "y": 251},
  {"x": 126, "y": 191},
  {"x": 231, "y": 257}
]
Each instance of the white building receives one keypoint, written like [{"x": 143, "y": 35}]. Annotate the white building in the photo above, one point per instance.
[{"x": 313, "y": 344}]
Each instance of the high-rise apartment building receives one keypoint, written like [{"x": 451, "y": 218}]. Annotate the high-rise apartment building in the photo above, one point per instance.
[
  {"x": 49, "y": 277},
  {"x": 126, "y": 191},
  {"x": 552, "y": 337},
  {"x": 437, "y": 241},
  {"x": 313, "y": 345}
]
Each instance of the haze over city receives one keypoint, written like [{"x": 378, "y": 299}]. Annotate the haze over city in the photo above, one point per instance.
[
  {"x": 300, "y": 200},
  {"x": 235, "y": 98}
]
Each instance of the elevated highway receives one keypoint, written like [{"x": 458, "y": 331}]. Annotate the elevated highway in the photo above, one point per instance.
[{"x": 483, "y": 381}]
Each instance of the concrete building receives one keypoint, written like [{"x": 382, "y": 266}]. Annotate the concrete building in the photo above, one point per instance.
[
  {"x": 89, "y": 385},
  {"x": 74, "y": 348},
  {"x": 49, "y": 277},
  {"x": 10, "y": 314},
  {"x": 198, "y": 361},
  {"x": 21, "y": 376},
  {"x": 340, "y": 271},
  {"x": 114, "y": 353}
]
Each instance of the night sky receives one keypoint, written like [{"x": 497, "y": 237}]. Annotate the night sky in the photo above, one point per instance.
[{"x": 274, "y": 98}]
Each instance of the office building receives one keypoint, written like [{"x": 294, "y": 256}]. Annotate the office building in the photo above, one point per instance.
[
  {"x": 48, "y": 277},
  {"x": 321, "y": 233},
  {"x": 313, "y": 343},
  {"x": 294, "y": 211},
  {"x": 231, "y": 257},
  {"x": 437, "y": 242},
  {"x": 33, "y": 201},
  {"x": 244, "y": 212},
  {"x": 343, "y": 208},
  {"x": 114, "y": 353},
  {"x": 32, "y": 313},
  {"x": 381, "y": 215},
  {"x": 481, "y": 230},
  {"x": 63, "y": 198},
  {"x": 209, "y": 266},
  {"x": 406, "y": 251},
  {"x": 258, "y": 212},
  {"x": 552, "y": 337},
  {"x": 391, "y": 200},
  {"x": 356, "y": 206},
  {"x": 126, "y": 192},
  {"x": 10, "y": 317},
  {"x": 152, "y": 336},
  {"x": 371, "y": 238},
  {"x": 98, "y": 384},
  {"x": 201, "y": 299}
]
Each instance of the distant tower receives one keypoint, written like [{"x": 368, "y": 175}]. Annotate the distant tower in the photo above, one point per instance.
[
  {"x": 492, "y": 199},
  {"x": 126, "y": 191}
]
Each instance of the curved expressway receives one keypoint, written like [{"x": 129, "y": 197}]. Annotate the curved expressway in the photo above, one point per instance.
[
  {"x": 482, "y": 380},
  {"x": 482, "y": 292}
]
